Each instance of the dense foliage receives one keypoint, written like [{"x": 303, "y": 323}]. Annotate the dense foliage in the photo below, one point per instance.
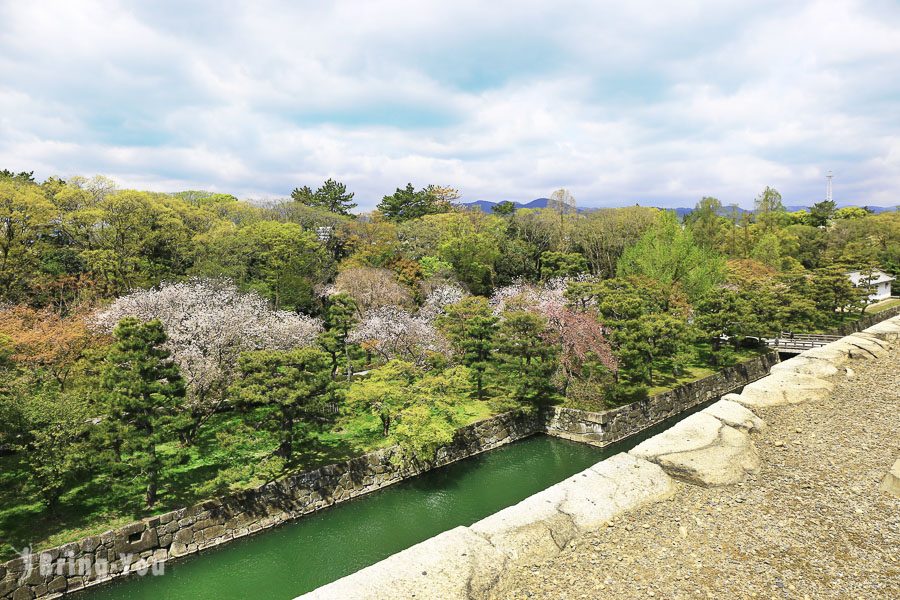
[{"x": 156, "y": 348}]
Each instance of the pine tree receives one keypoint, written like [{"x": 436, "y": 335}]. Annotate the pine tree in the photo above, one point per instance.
[
  {"x": 527, "y": 358},
  {"x": 340, "y": 317},
  {"x": 471, "y": 326},
  {"x": 143, "y": 394},
  {"x": 280, "y": 388},
  {"x": 332, "y": 196}
]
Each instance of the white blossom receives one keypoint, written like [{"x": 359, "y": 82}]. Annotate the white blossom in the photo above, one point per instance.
[
  {"x": 392, "y": 332},
  {"x": 440, "y": 297},
  {"x": 209, "y": 323}
]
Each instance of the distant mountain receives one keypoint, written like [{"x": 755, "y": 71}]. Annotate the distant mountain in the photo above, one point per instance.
[
  {"x": 488, "y": 206},
  {"x": 682, "y": 211}
]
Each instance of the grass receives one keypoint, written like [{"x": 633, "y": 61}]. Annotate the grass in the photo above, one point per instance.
[
  {"x": 697, "y": 369},
  {"x": 225, "y": 457},
  {"x": 883, "y": 305}
]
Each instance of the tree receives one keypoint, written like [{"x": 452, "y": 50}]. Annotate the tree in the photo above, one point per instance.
[
  {"x": 44, "y": 339},
  {"x": 821, "y": 213},
  {"x": 562, "y": 264},
  {"x": 668, "y": 254},
  {"x": 851, "y": 212},
  {"x": 303, "y": 195},
  {"x": 429, "y": 422},
  {"x": 602, "y": 235},
  {"x": 648, "y": 340},
  {"x": 471, "y": 241},
  {"x": 279, "y": 388},
  {"x": 504, "y": 209},
  {"x": 408, "y": 203},
  {"x": 721, "y": 315},
  {"x": 332, "y": 196},
  {"x": 706, "y": 224},
  {"x": 580, "y": 339},
  {"x": 526, "y": 358},
  {"x": 209, "y": 323},
  {"x": 832, "y": 291},
  {"x": 281, "y": 261},
  {"x": 340, "y": 317},
  {"x": 25, "y": 216},
  {"x": 394, "y": 333},
  {"x": 371, "y": 288},
  {"x": 56, "y": 446},
  {"x": 20, "y": 177},
  {"x": 471, "y": 326},
  {"x": 443, "y": 196},
  {"x": 142, "y": 393},
  {"x": 769, "y": 210},
  {"x": 385, "y": 392}
]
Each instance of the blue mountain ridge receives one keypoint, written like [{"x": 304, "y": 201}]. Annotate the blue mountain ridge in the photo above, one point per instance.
[{"x": 682, "y": 211}]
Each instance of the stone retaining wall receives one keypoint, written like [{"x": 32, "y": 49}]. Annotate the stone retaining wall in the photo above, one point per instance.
[
  {"x": 604, "y": 428},
  {"x": 866, "y": 321},
  {"x": 140, "y": 545}
]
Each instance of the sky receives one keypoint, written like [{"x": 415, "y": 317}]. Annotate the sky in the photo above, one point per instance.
[{"x": 620, "y": 102}]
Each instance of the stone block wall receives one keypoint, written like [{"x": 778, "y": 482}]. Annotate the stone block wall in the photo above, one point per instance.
[
  {"x": 604, "y": 428},
  {"x": 866, "y": 321},
  {"x": 146, "y": 544}
]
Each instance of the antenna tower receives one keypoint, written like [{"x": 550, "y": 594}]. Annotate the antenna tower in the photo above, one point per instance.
[{"x": 828, "y": 186}]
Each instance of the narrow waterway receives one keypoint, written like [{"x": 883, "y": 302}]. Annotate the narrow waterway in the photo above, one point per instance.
[{"x": 316, "y": 549}]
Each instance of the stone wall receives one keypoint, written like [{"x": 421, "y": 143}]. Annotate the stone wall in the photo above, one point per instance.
[
  {"x": 141, "y": 545},
  {"x": 866, "y": 321},
  {"x": 603, "y": 428}
]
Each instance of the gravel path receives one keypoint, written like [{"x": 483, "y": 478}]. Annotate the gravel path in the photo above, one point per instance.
[{"x": 812, "y": 524}]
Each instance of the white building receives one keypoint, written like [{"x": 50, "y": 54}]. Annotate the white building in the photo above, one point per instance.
[{"x": 880, "y": 281}]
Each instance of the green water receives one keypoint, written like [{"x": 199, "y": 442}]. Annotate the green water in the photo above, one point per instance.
[{"x": 319, "y": 548}]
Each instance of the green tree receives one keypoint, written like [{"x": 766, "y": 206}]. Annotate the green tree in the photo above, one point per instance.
[
  {"x": 340, "y": 317},
  {"x": 562, "y": 264},
  {"x": 281, "y": 261},
  {"x": 385, "y": 392},
  {"x": 851, "y": 212},
  {"x": 706, "y": 224},
  {"x": 821, "y": 213},
  {"x": 648, "y": 341},
  {"x": 504, "y": 209},
  {"x": 832, "y": 291},
  {"x": 278, "y": 389},
  {"x": 429, "y": 423},
  {"x": 668, "y": 254},
  {"x": 602, "y": 235},
  {"x": 143, "y": 394},
  {"x": 526, "y": 357},
  {"x": 471, "y": 326},
  {"x": 769, "y": 210},
  {"x": 57, "y": 446},
  {"x": 25, "y": 216},
  {"x": 20, "y": 177},
  {"x": 721, "y": 314},
  {"x": 332, "y": 196},
  {"x": 408, "y": 203}
]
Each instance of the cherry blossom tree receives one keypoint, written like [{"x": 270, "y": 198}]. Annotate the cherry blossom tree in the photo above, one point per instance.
[
  {"x": 393, "y": 332},
  {"x": 578, "y": 334},
  {"x": 209, "y": 323},
  {"x": 370, "y": 288},
  {"x": 438, "y": 298}
]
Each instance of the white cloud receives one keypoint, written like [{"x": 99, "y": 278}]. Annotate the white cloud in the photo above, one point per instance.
[{"x": 620, "y": 102}]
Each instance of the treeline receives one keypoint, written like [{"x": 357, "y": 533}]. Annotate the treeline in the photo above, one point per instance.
[{"x": 167, "y": 346}]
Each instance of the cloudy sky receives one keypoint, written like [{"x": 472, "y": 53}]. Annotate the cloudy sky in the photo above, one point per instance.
[{"x": 621, "y": 102}]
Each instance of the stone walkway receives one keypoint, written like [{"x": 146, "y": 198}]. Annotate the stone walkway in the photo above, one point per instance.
[{"x": 811, "y": 524}]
